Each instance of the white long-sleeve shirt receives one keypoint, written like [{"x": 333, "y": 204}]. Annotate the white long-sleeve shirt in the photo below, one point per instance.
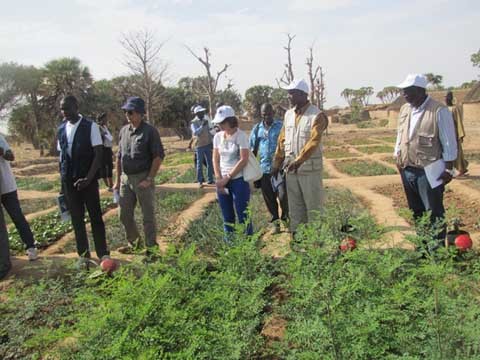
[{"x": 446, "y": 131}]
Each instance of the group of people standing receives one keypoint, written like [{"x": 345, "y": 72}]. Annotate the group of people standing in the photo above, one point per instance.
[{"x": 289, "y": 152}]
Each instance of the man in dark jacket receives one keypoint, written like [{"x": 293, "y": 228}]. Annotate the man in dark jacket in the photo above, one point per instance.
[{"x": 81, "y": 146}]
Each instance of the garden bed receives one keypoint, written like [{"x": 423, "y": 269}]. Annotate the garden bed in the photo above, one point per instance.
[
  {"x": 47, "y": 229},
  {"x": 363, "y": 168},
  {"x": 456, "y": 206},
  {"x": 340, "y": 152},
  {"x": 38, "y": 184},
  {"x": 375, "y": 149},
  {"x": 167, "y": 206}
]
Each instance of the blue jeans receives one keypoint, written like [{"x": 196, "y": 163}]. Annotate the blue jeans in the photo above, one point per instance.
[
  {"x": 235, "y": 201},
  {"x": 421, "y": 197},
  {"x": 204, "y": 152}
]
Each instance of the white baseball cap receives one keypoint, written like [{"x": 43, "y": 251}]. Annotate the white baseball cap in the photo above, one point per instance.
[
  {"x": 198, "y": 109},
  {"x": 297, "y": 85},
  {"x": 223, "y": 112},
  {"x": 418, "y": 80}
]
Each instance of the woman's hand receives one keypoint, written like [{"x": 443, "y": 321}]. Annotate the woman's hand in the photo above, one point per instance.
[{"x": 221, "y": 183}]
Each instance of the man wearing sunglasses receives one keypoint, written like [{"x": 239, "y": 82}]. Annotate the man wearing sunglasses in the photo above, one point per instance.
[{"x": 140, "y": 154}]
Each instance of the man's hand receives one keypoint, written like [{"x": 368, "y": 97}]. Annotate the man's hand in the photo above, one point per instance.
[
  {"x": 293, "y": 167},
  {"x": 116, "y": 186},
  {"x": 8, "y": 155},
  {"x": 275, "y": 172},
  {"x": 81, "y": 184},
  {"x": 446, "y": 177},
  {"x": 147, "y": 182}
]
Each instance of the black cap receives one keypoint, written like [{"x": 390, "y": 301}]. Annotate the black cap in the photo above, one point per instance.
[{"x": 134, "y": 103}]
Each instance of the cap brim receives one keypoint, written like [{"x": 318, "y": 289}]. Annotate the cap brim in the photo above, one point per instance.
[
  {"x": 404, "y": 85},
  {"x": 128, "y": 107}
]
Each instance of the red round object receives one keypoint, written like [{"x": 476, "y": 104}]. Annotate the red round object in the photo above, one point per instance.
[
  {"x": 109, "y": 265},
  {"x": 463, "y": 242},
  {"x": 348, "y": 244}
]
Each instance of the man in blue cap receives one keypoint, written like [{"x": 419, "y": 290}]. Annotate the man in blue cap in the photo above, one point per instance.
[{"x": 140, "y": 154}]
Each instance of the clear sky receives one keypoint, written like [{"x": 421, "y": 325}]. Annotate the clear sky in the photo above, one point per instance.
[{"x": 359, "y": 43}]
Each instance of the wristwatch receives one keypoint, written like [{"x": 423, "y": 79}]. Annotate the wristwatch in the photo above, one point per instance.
[
  {"x": 148, "y": 178},
  {"x": 449, "y": 171}
]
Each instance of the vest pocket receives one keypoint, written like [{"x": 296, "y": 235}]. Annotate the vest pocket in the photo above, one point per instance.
[{"x": 425, "y": 141}]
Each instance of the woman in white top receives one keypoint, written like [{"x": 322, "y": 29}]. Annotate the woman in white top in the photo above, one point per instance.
[{"x": 230, "y": 156}]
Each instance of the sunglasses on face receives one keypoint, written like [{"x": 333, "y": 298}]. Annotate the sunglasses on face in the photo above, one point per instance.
[{"x": 129, "y": 112}]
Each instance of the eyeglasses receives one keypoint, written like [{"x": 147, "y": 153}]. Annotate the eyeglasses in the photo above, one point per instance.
[{"x": 129, "y": 112}]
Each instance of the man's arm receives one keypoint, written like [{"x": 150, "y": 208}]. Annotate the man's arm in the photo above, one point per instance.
[
  {"x": 279, "y": 152},
  {"x": 158, "y": 154},
  {"x": 198, "y": 130}
]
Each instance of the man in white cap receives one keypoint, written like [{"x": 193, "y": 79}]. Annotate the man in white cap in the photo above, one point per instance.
[
  {"x": 426, "y": 147},
  {"x": 299, "y": 153},
  {"x": 204, "y": 144}
]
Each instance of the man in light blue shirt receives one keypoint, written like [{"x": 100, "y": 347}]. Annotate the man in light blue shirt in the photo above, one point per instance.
[{"x": 263, "y": 142}]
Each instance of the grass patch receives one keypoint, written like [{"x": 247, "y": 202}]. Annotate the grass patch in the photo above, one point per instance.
[
  {"x": 178, "y": 159},
  {"x": 388, "y": 139},
  {"x": 328, "y": 141},
  {"x": 38, "y": 184},
  {"x": 360, "y": 141},
  {"x": 363, "y": 168},
  {"x": 375, "y": 149},
  {"x": 188, "y": 176},
  {"x": 165, "y": 176},
  {"x": 336, "y": 153}
]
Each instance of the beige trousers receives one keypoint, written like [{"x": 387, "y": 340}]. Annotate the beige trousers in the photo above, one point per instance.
[
  {"x": 130, "y": 193},
  {"x": 305, "y": 196}
]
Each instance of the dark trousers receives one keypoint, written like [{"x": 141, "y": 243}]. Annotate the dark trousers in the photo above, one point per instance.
[
  {"x": 421, "y": 197},
  {"x": 270, "y": 197},
  {"x": 5, "y": 263},
  {"x": 12, "y": 205},
  {"x": 76, "y": 202}
]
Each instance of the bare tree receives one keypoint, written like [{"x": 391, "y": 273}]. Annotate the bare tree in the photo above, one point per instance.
[
  {"x": 287, "y": 76},
  {"x": 212, "y": 80},
  {"x": 142, "y": 57},
  {"x": 316, "y": 77}
]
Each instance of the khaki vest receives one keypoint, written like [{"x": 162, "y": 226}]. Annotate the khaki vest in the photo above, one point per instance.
[
  {"x": 424, "y": 147},
  {"x": 297, "y": 136},
  {"x": 204, "y": 138}
]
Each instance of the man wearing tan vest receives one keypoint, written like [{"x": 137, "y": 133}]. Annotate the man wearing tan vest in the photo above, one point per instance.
[
  {"x": 425, "y": 150},
  {"x": 299, "y": 152},
  {"x": 201, "y": 130}
]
